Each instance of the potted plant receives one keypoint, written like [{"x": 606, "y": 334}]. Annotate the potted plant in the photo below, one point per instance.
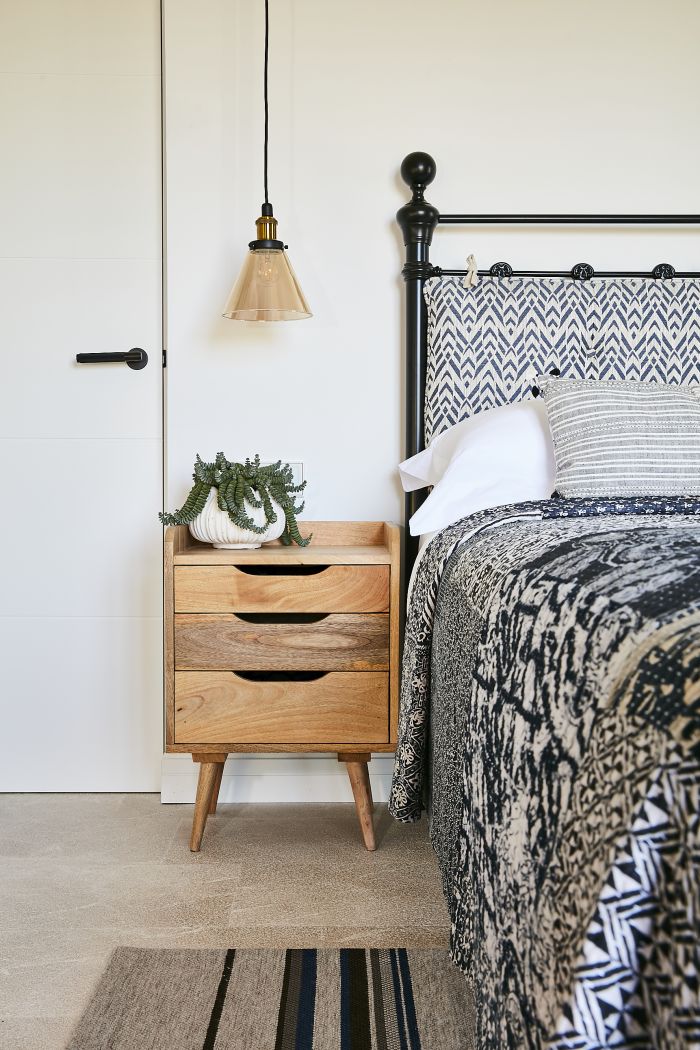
[{"x": 239, "y": 505}]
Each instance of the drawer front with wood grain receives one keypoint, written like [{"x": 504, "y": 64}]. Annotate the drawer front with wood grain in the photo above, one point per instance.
[
  {"x": 321, "y": 589},
  {"x": 337, "y": 642},
  {"x": 339, "y": 707}
]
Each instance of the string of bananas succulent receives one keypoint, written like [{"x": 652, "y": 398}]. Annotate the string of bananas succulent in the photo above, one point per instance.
[{"x": 241, "y": 483}]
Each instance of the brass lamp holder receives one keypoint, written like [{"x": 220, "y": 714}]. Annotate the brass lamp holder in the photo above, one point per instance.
[{"x": 266, "y": 229}]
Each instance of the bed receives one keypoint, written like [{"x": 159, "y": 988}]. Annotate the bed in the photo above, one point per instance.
[{"x": 550, "y": 710}]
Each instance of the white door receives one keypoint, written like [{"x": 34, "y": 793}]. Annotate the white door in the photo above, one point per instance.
[{"x": 80, "y": 445}]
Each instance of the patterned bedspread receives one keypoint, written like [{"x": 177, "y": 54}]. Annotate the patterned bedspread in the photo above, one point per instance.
[{"x": 550, "y": 711}]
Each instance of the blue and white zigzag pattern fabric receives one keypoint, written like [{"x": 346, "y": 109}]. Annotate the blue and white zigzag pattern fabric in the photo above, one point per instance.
[{"x": 487, "y": 343}]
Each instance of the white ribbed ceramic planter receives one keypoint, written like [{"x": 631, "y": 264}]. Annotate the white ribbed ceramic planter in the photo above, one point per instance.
[{"x": 214, "y": 526}]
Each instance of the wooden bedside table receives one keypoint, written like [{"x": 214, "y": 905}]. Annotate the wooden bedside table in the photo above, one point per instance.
[{"x": 283, "y": 649}]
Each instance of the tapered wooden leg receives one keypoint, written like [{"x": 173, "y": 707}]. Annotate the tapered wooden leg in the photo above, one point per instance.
[
  {"x": 359, "y": 781},
  {"x": 206, "y": 784},
  {"x": 217, "y": 786}
]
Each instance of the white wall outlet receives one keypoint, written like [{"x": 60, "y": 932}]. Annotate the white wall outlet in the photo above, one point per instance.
[{"x": 297, "y": 470}]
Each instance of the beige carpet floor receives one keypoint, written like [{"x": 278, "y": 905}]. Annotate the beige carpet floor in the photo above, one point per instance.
[{"x": 83, "y": 874}]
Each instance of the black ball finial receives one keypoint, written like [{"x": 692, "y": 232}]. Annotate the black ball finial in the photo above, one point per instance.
[
  {"x": 418, "y": 170},
  {"x": 417, "y": 218}
]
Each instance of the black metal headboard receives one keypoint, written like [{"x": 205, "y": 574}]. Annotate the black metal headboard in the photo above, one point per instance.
[{"x": 418, "y": 220}]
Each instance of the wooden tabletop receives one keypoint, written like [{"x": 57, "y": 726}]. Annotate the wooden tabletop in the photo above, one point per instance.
[{"x": 332, "y": 543}]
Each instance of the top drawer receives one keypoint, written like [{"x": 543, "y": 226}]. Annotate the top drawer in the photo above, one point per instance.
[{"x": 268, "y": 588}]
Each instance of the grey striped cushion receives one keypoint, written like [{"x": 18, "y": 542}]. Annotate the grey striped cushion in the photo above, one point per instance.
[{"x": 623, "y": 437}]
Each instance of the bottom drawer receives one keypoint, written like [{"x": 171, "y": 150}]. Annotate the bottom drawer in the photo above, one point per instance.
[{"x": 220, "y": 707}]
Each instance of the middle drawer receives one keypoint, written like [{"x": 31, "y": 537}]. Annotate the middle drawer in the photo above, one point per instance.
[{"x": 230, "y": 642}]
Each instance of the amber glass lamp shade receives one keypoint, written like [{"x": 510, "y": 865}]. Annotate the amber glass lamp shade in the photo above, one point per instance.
[{"x": 267, "y": 289}]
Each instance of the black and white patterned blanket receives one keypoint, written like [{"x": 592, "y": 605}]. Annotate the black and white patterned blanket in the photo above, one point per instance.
[{"x": 551, "y": 683}]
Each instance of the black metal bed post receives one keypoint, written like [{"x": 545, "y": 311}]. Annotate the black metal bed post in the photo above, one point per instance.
[{"x": 417, "y": 220}]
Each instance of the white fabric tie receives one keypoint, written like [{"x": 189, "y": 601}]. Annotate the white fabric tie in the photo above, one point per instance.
[{"x": 471, "y": 277}]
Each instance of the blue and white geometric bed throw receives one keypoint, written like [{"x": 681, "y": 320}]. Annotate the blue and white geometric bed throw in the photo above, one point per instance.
[{"x": 487, "y": 343}]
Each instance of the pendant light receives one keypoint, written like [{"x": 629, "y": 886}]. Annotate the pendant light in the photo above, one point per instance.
[{"x": 267, "y": 288}]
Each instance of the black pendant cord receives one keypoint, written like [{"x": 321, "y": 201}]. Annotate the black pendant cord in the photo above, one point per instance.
[{"x": 267, "y": 43}]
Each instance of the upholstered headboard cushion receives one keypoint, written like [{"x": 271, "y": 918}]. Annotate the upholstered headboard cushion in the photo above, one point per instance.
[{"x": 487, "y": 343}]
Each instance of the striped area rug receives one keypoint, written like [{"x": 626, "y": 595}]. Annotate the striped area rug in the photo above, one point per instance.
[{"x": 276, "y": 999}]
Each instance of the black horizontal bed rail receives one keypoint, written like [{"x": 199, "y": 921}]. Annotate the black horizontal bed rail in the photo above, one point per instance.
[
  {"x": 585, "y": 272},
  {"x": 418, "y": 220},
  {"x": 567, "y": 220}
]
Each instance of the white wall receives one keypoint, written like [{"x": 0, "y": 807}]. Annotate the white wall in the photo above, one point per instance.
[
  {"x": 526, "y": 107},
  {"x": 538, "y": 106}
]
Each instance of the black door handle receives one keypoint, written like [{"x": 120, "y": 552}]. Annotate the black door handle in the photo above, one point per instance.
[{"x": 135, "y": 358}]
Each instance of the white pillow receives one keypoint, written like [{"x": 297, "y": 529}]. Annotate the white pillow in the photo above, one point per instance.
[{"x": 503, "y": 455}]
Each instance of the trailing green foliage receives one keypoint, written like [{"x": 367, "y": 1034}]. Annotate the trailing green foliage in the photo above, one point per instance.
[{"x": 241, "y": 483}]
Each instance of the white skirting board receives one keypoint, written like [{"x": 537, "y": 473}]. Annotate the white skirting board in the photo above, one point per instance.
[{"x": 275, "y": 779}]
